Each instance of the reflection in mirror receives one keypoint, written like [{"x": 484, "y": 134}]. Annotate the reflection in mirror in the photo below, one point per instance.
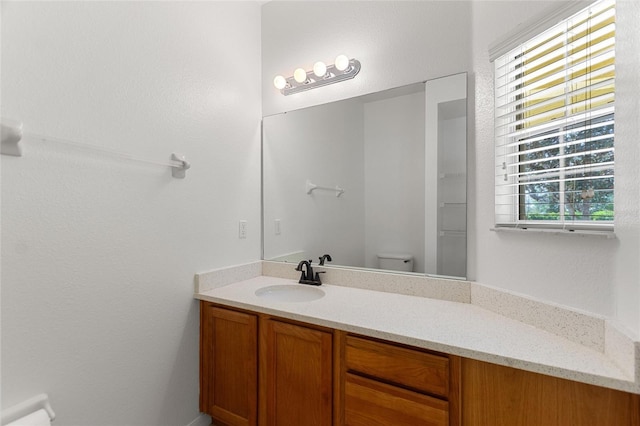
[{"x": 377, "y": 181}]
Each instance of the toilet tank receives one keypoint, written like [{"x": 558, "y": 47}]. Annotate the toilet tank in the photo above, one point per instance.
[{"x": 395, "y": 262}]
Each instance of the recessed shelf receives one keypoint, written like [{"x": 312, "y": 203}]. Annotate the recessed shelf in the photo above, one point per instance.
[
  {"x": 442, "y": 205},
  {"x": 452, "y": 233},
  {"x": 451, "y": 175}
]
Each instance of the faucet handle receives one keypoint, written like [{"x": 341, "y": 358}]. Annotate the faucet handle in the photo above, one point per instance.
[{"x": 317, "y": 277}]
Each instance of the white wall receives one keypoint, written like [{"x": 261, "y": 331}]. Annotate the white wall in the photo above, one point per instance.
[
  {"x": 404, "y": 42},
  {"x": 627, "y": 192},
  {"x": 394, "y": 174},
  {"x": 99, "y": 253},
  {"x": 324, "y": 145}
]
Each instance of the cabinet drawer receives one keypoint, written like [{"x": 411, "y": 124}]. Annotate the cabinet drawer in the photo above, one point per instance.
[
  {"x": 371, "y": 403},
  {"x": 424, "y": 372}
]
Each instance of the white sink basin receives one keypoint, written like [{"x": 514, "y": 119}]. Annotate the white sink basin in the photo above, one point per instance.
[{"x": 290, "y": 293}]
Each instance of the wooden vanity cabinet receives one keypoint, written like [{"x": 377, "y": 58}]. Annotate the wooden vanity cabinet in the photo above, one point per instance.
[
  {"x": 295, "y": 364},
  {"x": 385, "y": 384},
  {"x": 259, "y": 370}
]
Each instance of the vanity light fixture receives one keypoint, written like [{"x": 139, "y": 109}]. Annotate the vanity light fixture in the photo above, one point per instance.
[{"x": 321, "y": 75}]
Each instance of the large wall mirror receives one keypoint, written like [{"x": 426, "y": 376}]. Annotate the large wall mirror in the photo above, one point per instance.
[{"x": 378, "y": 181}]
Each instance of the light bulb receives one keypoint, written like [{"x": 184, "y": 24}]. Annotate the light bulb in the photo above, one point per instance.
[
  {"x": 300, "y": 75},
  {"x": 342, "y": 62},
  {"x": 280, "y": 82},
  {"x": 319, "y": 69}
]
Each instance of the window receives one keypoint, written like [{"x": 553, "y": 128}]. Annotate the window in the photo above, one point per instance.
[{"x": 554, "y": 125}]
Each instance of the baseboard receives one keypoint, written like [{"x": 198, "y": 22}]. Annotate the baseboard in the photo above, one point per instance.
[{"x": 201, "y": 420}]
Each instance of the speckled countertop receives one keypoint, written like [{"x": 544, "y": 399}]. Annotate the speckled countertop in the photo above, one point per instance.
[{"x": 452, "y": 327}]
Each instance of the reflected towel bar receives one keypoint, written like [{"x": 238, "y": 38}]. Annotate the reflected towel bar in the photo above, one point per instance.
[{"x": 311, "y": 187}]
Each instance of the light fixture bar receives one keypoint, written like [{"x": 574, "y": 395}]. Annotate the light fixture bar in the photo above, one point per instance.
[{"x": 333, "y": 75}]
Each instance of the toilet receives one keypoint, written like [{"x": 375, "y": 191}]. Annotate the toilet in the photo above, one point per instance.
[{"x": 395, "y": 262}]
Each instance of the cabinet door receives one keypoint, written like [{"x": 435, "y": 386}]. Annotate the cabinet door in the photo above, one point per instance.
[
  {"x": 228, "y": 365},
  {"x": 295, "y": 375}
]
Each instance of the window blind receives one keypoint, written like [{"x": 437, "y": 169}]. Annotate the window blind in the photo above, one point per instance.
[{"x": 554, "y": 125}]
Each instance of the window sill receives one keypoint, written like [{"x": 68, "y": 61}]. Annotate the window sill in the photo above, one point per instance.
[{"x": 579, "y": 232}]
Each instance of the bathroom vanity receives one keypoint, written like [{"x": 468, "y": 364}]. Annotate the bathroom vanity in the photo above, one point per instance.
[
  {"x": 355, "y": 358},
  {"x": 266, "y": 370}
]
